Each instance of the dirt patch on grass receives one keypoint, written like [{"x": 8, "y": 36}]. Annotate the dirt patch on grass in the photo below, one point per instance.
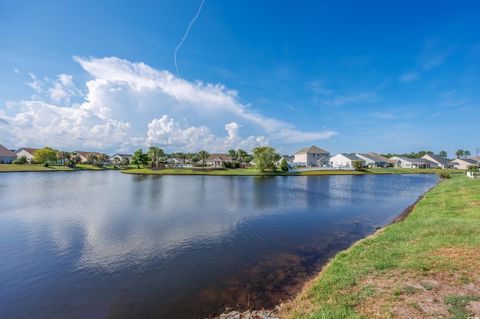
[
  {"x": 465, "y": 258},
  {"x": 411, "y": 295}
]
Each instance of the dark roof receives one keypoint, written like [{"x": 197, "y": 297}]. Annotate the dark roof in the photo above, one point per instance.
[
  {"x": 413, "y": 160},
  {"x": 378, "y": 157},
  {"x": 312, "y": 149},
  {"x": 352, "y": 156},
  {"x": 6, "y": 152},
  {"x": 437, "y": 158},
  {"x": 372, "y": 157},
  {"x": 468, "y": 160}
]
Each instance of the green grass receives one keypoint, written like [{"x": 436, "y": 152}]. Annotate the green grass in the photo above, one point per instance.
[
  {"x": 448, "y": 217},
  {"x": 52, "y": 168},
  {"x": 256, "y": 172}
]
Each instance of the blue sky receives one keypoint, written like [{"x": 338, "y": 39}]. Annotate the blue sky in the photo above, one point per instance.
[{"x": 348, "y": 76}]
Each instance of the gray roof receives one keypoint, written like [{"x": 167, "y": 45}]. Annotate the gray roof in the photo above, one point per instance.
[
  {"x": 468, "y": 160},
  {"x": 352, "y": 156},
  {"x": 6, "y": 152},
  {"x": 438, "y": 158},
  {"x": 372, "y": 157},
  {"x": 414, "y": 160},
  {"x": 311, "y": 150}
]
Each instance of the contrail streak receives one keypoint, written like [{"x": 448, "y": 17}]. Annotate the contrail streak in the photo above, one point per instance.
[{"x": 179, "y": 45}]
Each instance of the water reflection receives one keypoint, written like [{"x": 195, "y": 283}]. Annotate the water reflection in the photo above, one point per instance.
[{"x": 97, "y": 245}]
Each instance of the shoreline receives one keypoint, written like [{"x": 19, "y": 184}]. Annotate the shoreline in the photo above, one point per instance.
[{"x": 275, "y": 312}]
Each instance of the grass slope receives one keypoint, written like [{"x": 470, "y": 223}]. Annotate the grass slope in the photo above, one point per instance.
[
  {"x": 423, "y": 267},
  {"x": 51, "y": 168}
]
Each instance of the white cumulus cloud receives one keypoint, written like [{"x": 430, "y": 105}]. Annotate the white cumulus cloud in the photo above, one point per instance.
[{"x": 127, "y": 105}]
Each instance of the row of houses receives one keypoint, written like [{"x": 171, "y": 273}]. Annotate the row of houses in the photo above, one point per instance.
[
  {"x": 314, "y": 156},
  {"x": 9, "y": 156}
]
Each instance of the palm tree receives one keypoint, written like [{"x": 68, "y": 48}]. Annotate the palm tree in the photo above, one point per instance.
[
  {"x": 241, "y": 155},
  {"x": 459, "y": 153},
  {"x": 233, "y": 155},
  {"x": 203, "y": 157},
  {"x": 155, "y": 154},
  {"x": 467, "y": 153},
  {"x": 443, "y": 154}
]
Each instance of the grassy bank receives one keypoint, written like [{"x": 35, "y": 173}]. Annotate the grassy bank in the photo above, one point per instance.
[
  {"x": 423, "y": 267},
  {"x": 256, "y": 172},
  {"x": 51, "y": 168}
]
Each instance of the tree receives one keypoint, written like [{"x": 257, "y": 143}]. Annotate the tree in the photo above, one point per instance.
[
  {"x": 155, "y": 154},
  {"x": 443, "y": 154},
  {"x": 466, "y": 153},
  {"x": 357, "y": 165},
  {"x": 74, "y": 160},
  {"x": 203, "y": 155},
  {"x": 63, "y": 156},
  {"x": 140, "y": 158},
  {"x": 102, "y": 159},
  {"x": 233, "y": 154},
  {"x": 241, "y": 155},
  {"x": 284, "y": 165},
  {"x": 21, "y": 160},
  {"x": 459, "y": 153},
  {"x": 265, "y": 158},
  {"x": 45, "y": 155}
]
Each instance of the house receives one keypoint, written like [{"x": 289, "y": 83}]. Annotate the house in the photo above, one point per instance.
[
  {"x": 218, "y": 160},
  {"x": 345, "y": 160},
  {"x": 289, "y": 160},
  {"x": 439, "y": 160},
  {"x": 85, "y": 155},
  {"x": 28, "y": 152},
  {"x": 406, "y": 162},
  {"x": 6, "y": 156},
  {"x": 120, "y": 157},
  {"x": 312, "y": 156},
  {"x": 463, "y": 163},
  {"x": 373, "y": 160}
]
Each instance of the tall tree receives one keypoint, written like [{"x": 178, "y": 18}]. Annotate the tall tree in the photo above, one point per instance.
[
  {"x": 233, "y": 154},
  {"x": 45, "y": 155},
  {"x": 443, "y": 154},
  {"x": 156, "y": 154},
  {"x": 466, "y": 153},
  {"x": 241, "y": 155},
  {"x": 203, "y": 155},
  {"x": 459, "y": 153},
  {"x": 265, "y": 158},
  {"x": 284, "y": 165},
  {"x": 140, "y": 158}
]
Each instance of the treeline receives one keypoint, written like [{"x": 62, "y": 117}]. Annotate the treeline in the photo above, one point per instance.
[{"x": 459, "y": 154}]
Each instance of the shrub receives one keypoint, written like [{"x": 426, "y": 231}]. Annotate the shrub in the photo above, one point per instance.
[
  {"x": 21, "y": 160},
  {"x": 46, "y": 164},
  {"x": 444, "y": 175},
  {"x": 357, "y": 165}
]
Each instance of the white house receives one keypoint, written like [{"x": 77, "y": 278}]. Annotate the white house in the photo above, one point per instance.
[
  {"x": 84, "y": 155},
  {"x": 120, "y": 157},
  {"x": 344, "y": 160},
  {"x": 6, "y": 156},
  {"x": 437, "y": 159},
  {"x": 28, "y": 152},
  {"x": 217, "y": 160},
  {"x": 312, "y": 156},
  {"x": 373, "y": 160},
  {"x": 406, "y": 162},
  {"x": 463, "y": 163}
]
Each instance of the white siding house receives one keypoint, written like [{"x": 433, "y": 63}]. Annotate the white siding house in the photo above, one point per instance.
[
  {"x": 344, "y": 160},
  {"x": 312, "y": 156},
  {"x": 463, "y": 163},
  {"x": 372, "y": 161},
  {"x": 28, "y": 152},
  {"x": 406, "y": 162},
  {"x": 437, "y": 159},
  {"x": 217, "y": 160}
]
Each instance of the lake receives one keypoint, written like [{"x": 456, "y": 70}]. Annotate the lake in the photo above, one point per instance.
[{"x": 109, "y": 245}]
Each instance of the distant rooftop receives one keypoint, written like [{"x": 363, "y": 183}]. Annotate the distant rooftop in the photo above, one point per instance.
[{"x": 312, "y": 150}]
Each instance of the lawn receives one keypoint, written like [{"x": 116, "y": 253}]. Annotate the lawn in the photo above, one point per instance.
[
  {"x": 51, "y": 168},
  {"x": 32, "y": 168},
  {"x": 423, "y": 267}
]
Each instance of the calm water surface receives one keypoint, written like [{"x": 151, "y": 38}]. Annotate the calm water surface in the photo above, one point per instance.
[{"x": 107, "y": 245}]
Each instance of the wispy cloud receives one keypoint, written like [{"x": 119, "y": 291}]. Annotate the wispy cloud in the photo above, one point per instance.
[
  {"x": 409, "y": 77},
  {"x": 185, "y": 35}
]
